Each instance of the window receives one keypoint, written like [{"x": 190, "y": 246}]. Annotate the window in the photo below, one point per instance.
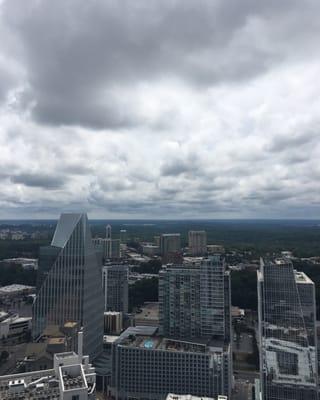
[{"x": 75, "y": 397}]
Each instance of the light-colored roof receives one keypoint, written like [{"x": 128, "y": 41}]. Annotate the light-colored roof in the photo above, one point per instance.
[{"x": 15, "y": 288}]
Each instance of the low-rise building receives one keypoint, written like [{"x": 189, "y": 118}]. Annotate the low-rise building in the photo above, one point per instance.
[
  {"x": 215, "y": 249},
  {"x": 13, "y": 325},
  {"x": 150, "y": 249},
  {"x": 113, "y": 322},
  {"x": 237, "y": 313},
  {"x": 26, "y": 263},
  {"x": 72, "y": 377},
  {"x": 15, "y": 289}
]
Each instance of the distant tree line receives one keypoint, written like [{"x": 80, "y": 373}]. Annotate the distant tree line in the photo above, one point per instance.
[
  {"x": 21, "y": 248},
  {"x": 150, "y": 267},
  {"x": 143, "y": 291},
  {"x": 14, "y": 273}
]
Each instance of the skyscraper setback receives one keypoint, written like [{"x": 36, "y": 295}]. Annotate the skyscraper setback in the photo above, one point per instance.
[
  {"x": 287, "y": 312},
  {"x": 69, "y": 285}
]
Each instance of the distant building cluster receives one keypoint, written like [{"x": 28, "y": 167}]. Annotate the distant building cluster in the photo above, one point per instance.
[{"x": 15, "y": 234}]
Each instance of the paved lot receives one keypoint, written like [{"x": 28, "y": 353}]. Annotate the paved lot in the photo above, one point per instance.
[
  {"x": 242, "y": 390},
  {"x": 244, "y": 344}
]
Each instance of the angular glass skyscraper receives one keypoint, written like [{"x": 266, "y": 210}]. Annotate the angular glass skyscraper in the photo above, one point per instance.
[
  {"x": 287, "y": 312},
  {"x": 69, "y": 286}
]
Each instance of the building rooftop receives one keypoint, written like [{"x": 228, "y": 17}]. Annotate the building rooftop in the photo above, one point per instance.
[
  {"x": 51, "y": 384},
  {"x": 172, "y": 396},
  {"x": 14, "y": 288},
  {"x": 136, "y": 338},
  {"x": 301, "y": 277},
  {"x": 67, "y": 354},
  {"x": 52, "y": 331},
  {"x": 301, "y": 366},
  {"x": 72, "y": 378},
  {"x": 149, "y": 311},
  {"x": 70, "y": 324}
]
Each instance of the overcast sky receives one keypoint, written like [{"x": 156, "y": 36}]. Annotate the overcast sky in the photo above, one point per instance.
[{"x": 160, "y": 109}]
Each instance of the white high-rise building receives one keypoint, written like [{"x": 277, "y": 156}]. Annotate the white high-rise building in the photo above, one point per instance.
[{"x": 195, "y": 301}]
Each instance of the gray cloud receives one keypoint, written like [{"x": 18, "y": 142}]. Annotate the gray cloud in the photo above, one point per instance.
[
  {"x": 172, "y": 108},
  {"x": 39, "y": 180},
  {"x": 91, "y": 50}
]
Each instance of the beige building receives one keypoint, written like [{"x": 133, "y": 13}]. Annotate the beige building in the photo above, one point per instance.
[{"x": 197, "y": 243}]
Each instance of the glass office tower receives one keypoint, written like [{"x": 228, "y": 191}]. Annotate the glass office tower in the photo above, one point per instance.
[
  {"x": 69, "y": 286},
  {"x": 287, "y": 312}
]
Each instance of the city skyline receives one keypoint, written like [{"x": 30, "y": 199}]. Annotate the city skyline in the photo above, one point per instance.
[{"x": 159, "y": 109}]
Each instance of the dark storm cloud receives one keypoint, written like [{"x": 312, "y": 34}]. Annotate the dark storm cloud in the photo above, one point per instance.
[
  {"x": 39, "y": 180},
  {"x": 78, "y": 54}
]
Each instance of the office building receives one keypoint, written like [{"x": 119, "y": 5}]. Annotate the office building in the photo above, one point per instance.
[
  {"x": 195, "y": 300},
  {"x": 109, "y": 248},
  {"x": 123, "y": 236},
  {"x": 115, "y": 279},
  {"x": 112, "y": 322},
  {"x": 287, "y": 334},
  {"x": 69, "y": 283},
  {"x": 14, "y": 326},
  {"x": 71, "y": 378},
  {"x": 108, "y": 232},
  {"x": 150, "y": 249},
  {"x": 197, "y": 243},
  {"x": 170, "y": 247},
  {"x": 148, "y": 366}
]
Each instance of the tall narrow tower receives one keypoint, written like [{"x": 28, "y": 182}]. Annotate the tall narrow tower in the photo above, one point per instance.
[
  {"x": 69, "y": 286},
  {"x": 108, "y": 231}
]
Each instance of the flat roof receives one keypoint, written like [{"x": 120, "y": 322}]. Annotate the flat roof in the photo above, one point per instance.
[
  {"x": 153, "y": 342},
  {"x": 148, "y": 311},
  {"x": 301, "y": 277},
  {"x": 15, "y": 288}
]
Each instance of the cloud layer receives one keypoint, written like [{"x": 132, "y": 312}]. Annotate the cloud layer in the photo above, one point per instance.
[{"x": 160, "y": 109}]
